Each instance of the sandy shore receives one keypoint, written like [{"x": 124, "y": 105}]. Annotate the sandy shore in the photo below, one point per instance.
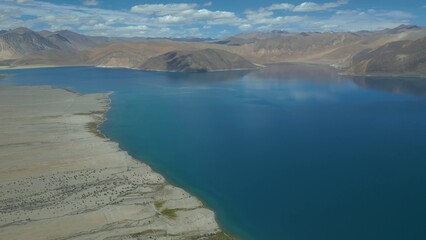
[{"x": 60, "y": 179}]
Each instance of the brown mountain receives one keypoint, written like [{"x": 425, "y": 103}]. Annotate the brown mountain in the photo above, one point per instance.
[
  {"x": 363, "y": 52},
  {"x": 197, "y": 61},
  {"x": 333, "y": 48},
  {"x": 399, "y": 58},
  {"x": 21, "y": 42},
  {"x": 303, "y": 45},
  {"x": 130, "y": 54},
  {"x": 76, "y": 40}
]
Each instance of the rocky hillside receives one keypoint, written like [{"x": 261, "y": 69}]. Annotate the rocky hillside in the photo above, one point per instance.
[
  {"x": 68, "y": 39},
  {"x": 203, "y": 60},
  {"x": 333, "y": 48},
  {"x": 395, "y": 58},
  {"x": 22, "y": 41},
  {"x": 390, "y": 51}
]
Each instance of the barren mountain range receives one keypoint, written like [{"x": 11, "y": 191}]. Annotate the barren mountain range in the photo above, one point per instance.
[
  {"x": 398, "y": 51},
  {"x": 202, "y": 60}
]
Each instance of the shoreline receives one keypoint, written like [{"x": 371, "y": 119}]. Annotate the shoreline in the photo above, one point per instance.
[
  {"x": 46, "y": 188},
  {"x": 260, "y": 66},
  {"x": 4, "y": 68},
  {"x": 384, "y": 75}
]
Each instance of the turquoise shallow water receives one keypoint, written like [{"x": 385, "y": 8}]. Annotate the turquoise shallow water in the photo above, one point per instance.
[{"x": 288, "y": 152}]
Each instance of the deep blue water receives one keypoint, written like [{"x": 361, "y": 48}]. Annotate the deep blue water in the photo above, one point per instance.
[{"x": 288, "y": 152}]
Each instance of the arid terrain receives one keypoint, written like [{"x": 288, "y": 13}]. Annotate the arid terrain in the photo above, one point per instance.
[
  {"x": 391, "y": 51},
  {"x": 202, "y": 60},
  {"x": 61, "y": 179}
]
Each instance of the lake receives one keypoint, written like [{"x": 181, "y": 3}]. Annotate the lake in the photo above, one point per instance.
[{"x": 291, "y": 151}]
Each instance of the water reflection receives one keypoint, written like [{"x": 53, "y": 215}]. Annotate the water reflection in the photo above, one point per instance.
[
  {"x": 414, "y": 86},
  {"x": 208, "y": 77},
  {"x": 274, "y": 77},
  {"x": 281, "y": 71},
  {"x": 295, "y": 72},
  {"x": 299, "y": 71}
]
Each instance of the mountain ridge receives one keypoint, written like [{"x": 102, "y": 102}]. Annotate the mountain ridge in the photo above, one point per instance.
[
  {"x": 23, "y": 47},
  {"x": 203, "y": 60}
]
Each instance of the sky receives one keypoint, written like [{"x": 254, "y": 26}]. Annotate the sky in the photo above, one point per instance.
[{"x": 215, "y": 18}]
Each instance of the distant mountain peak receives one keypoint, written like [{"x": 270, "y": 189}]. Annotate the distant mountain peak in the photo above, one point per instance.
[
  {"x": 403, "y": 27},
  {"x": 279, "y": 32},
  {"x": 21, "y": 30},
  {"x": 45, "y": 33},
  {"x": 66, "y": 32}
]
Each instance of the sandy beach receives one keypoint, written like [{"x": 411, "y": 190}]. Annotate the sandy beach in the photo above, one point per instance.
[{"x": 61, "y": 179}]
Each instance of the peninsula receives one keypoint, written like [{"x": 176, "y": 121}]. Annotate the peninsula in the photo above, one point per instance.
[
  {"x": 203, "y": 60},
  {"x": 60, "y": 178}
]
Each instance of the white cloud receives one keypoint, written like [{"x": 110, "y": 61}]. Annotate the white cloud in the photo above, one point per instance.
[
  {"x": 259, "y": 14},
  {"x": 184, "y": 13},
  {"x": 311, "y": 6},
  {"x": 245, "y": 26},
  {"x": 207, "y": 14},
  {"x": 282, "y": 6},
  {"x": 96, "y": 21},
  {"x": 184, "y": 19},
  {"x": 307, "y": 6},
  {"x": 162, "y": 9},
  {"x": 170, "y": 19},
  {"x": 392, "y": 14},
  {"x": 91, "y": 2},
  {"x": 265, "y": 19},
  {"x": 98, "y": 26},
  {"x": 357, "y": 20},
  {"x": 23, "y": 1}
]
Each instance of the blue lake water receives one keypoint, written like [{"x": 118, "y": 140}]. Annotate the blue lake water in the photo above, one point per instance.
[{"x": 288, "y": 152}]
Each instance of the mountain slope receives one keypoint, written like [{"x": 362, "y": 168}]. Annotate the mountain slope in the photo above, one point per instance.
[
  {"x": 389, "y": 51},
  {"x": 76, "y": 40},
  {"x": 400, "y": 57},
  {"x": 197, "y": 61},
  {"x": 21, "y": 42}
]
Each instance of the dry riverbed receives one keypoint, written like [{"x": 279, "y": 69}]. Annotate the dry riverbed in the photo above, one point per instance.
[{"x": 60, "y": 179}]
